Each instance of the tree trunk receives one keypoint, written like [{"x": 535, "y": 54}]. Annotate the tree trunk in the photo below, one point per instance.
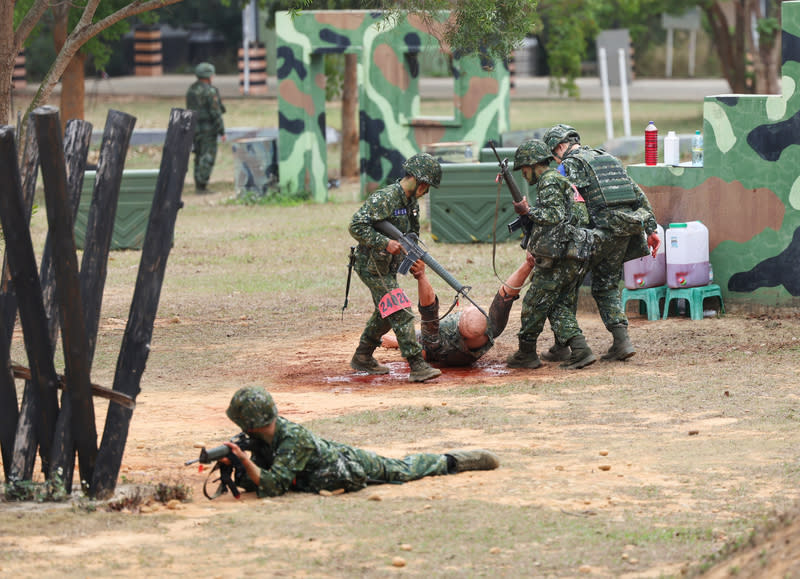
[
  {"x": 72, "y": 79},
  {"x": 73, "y": 90},
  {"x": 7, "y": 56},
  {"x": 350, "y": 156}
]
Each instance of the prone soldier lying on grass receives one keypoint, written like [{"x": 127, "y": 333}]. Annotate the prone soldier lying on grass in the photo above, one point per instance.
[{"x": 289, "y": 457}]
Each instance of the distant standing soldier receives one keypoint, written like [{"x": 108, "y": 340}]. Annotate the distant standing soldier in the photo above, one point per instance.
[
  {"x": 622, "y": 217},
  {"x": 562, "y": 246},
  {"x": 378, "y": 259},
  {"x": 203, "y": 98}
]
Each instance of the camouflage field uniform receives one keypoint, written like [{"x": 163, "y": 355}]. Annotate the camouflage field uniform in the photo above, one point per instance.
[
  {"x": 444, "y": 344},
  {"x": 377, "y": 268},
  {"x": 614, "y": 247},
  {"x": 553, "y": 291},
  {"x": 302, "y": 461},
  {"x": 204, "y": 99}
]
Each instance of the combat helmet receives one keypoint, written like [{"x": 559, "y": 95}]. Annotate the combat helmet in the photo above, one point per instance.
[
  {"x": 425, "y": 168},
  {"x": 560, "y": 133},
  {"x": 530, "y": 153},
  {"x": 252, "y": 407},
  {"x": 204, "y": 70}
]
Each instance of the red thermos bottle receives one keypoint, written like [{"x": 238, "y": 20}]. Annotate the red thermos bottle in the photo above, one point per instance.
[{"x": 651, "y": 144}]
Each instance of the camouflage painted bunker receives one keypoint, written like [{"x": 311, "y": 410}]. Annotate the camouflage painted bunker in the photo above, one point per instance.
[
  {"x": 391, "y": 128},
  {"x": 748, "y": 191}
]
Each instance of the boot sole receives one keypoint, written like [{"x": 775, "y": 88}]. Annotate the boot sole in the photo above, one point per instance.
[
  {"x": 548, "y": 358},
  {"x": 373, "y": 371},
  {"x": 619, "y": 357},
  {"x": 524, "y": 366},
  {"x": 588, "y": 361},
  {"x": 424, "y": 378}
]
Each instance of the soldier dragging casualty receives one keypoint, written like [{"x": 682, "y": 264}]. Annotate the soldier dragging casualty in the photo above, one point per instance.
[{"x": 378, "y": 258}]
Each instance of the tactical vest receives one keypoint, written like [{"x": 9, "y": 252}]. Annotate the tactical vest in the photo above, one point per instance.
[{"x": 609, "y": 184}]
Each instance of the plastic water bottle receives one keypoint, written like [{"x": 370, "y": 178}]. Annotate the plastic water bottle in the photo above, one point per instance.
[
  {"x": 672, "y": 154},
  {"x": 697, "y": 149},
  {"x": 651, "y": 144}
]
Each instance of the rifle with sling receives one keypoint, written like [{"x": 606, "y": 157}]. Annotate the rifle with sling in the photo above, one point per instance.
[
  {"x": 522, "y": 221},
  {"x": 414, "y": 252}
]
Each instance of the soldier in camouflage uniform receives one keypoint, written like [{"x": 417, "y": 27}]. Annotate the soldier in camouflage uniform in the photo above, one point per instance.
[
  {"x": 203, "y": 98},
  {"x": 561, "y": 245},
  {"x": 622, "y": 217},
  {"x": 294, "y": 458},
  {"x": 378, "y": 258},
  {"x": 462, "y": 337}
]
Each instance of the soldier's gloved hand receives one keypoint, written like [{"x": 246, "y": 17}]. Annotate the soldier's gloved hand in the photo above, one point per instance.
[
  {"x": 522, "y": 208},
  {"x": 653, "y": 242}
]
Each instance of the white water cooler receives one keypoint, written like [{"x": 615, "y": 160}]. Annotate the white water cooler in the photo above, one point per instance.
[{"x": 687, "y": 255}]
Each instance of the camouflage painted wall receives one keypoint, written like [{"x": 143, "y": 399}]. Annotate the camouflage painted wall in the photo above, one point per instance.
[
  {"x": 388, "y": 77},
  {"x": 748, "y": 192}
]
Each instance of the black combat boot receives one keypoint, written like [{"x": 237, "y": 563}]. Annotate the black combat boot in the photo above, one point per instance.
[
  {"x": 556, "y": 353},
  {"x": 622, "y": 348},
  {"x": 421, "y": 370},
  {"x": 363, "y": 361},
  {"x": 525, "y": 357},
  {"x": 462, "y": 460},
  {"x": 581, "y": 356}
]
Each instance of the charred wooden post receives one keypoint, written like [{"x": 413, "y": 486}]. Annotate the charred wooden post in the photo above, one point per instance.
[
  {"x": 77, "y": 140},
  {"x": 8, "y": 313},
  {"x": 102, "y": 213},
  {"x": 144, "y": 306},
  {"x": 68, "y": 294},
  {"x": 22, "y": 264},
  {"x": 9, "y": 409},
  {"x": 29, "y": 170}
]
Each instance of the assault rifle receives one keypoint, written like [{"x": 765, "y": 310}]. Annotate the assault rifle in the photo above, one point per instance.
[
  {"x": 411, "y": 245},
  {"x": 522, "y": 221},
  {"x": 229, "y": 471}
]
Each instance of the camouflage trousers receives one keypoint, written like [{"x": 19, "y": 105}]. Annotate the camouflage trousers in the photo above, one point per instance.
[
  {"x": 607, "y": 274},
  {"x": 553, "y": 296},
  {"x": 380, "y": 469},
  {"x": 205, "y": 155},
  {"x": 353, "y": 469},
  {"x": 402, "y": 321}
]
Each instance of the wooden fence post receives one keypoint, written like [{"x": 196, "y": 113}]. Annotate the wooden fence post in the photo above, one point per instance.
[
  {"x": 9, "y": 408},
  {"x": 77, "y": 139},
  {"x": 22, "y": 264},
  {"x": 116, "y": 139},
  {"x": 68, "y": 294},
  {"x": 144, "y": 306},
  {"x": 25, "y": 457}
]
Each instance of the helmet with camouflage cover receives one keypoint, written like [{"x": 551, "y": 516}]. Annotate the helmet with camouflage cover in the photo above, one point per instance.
[
  {"x": 204, "y": 70},
  {"x": 530, "y": 153},
  {"x": 252, "y": 407},
  {"x": 560, "y": 133},
  {"x": 425, "y": 168}
]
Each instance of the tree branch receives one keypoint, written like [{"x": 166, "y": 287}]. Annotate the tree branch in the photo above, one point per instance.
[{"x": 29, "y": 21}]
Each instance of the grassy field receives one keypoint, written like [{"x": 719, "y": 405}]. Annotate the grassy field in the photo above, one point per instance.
[{"x": 656, "y": 467}]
